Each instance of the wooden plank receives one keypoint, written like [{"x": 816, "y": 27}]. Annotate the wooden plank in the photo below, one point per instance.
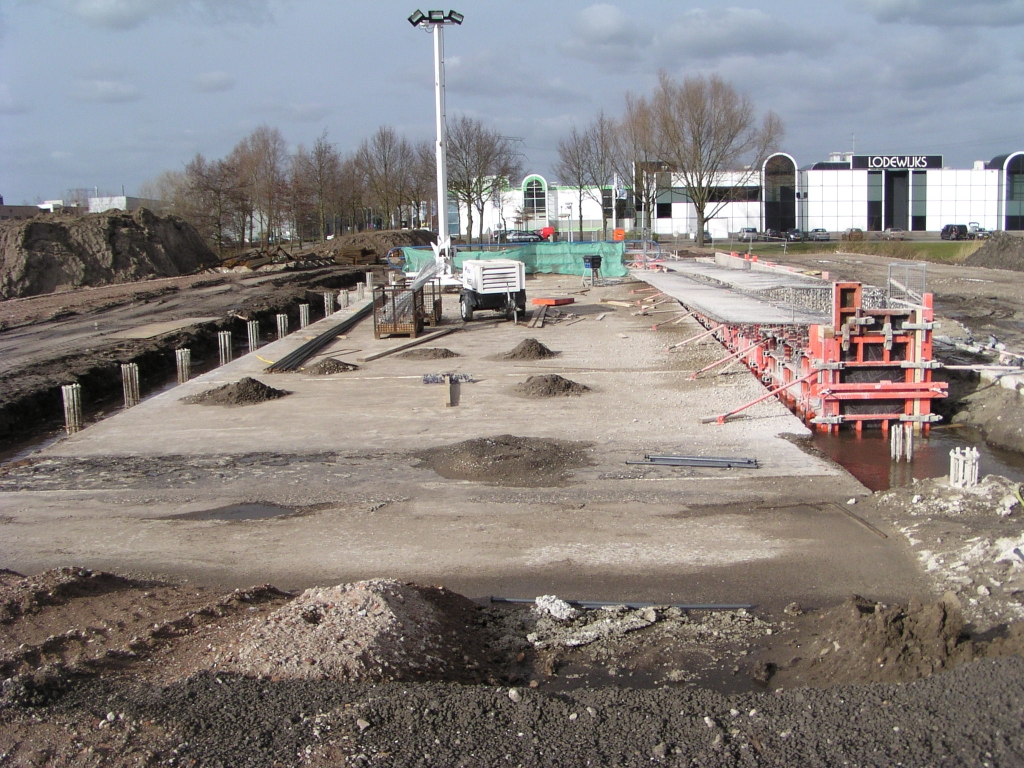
[{"x": 553, "y": 302}]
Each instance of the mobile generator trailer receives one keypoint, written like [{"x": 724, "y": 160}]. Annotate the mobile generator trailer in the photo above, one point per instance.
[{"x": 495, "y": 284}]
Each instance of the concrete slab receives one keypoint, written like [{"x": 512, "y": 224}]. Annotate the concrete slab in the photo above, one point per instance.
[
  {"x": 337, "y": 450},
  {"x": 728, "y": 295}
]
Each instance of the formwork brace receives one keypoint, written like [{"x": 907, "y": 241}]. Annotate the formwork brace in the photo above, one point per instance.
[
  {"x": 733, "y": 356},
  {"x": 722, "y": 418},
  {"x": 699, "y": 336}
]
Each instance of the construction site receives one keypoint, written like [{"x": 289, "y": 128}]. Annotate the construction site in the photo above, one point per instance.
[{"x": 321, "y": 516}]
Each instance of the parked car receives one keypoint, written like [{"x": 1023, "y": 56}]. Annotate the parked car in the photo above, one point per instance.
[
  {"x": 517, "y": 236},
  {"x": 772, "y": 234},
  {"x": 853, "y": 234},
  {"x": 818, "y": 235},
  {"x": 747, "y": 234},
  {"x": 895, "y": 233},
  {"x": 954, "y": 232},
  {"x": 976, "y": 231},
  {"x": 795, "y": 235}
]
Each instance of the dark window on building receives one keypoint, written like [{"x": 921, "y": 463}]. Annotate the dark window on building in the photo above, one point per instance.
[
  {"x": 1015, "y": 193},
  {"x": 780, "y": 194},
  {"x": 664, "y": 211},
  {"x": 606, "y": 203},
  {"x": 919, "y": 201},
  {"x": 535, "y": 199},
  {"x": 875, "y": 186},
  {"x": 735, "y": 194}
]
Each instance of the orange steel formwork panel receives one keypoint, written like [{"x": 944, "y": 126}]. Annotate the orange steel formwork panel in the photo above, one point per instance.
[{"x": 873, "y": 365}]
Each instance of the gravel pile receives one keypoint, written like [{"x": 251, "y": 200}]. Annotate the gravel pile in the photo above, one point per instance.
[
  {"x": 429, "y": 353},
  {"x": 330, "y": 365},
  {"x": 550, "y": 385},
  {"x": 529, "y": 349},
  {"x": 970, "y": 541},
  {"x": 372, "y": 630},
  {"x": 1002, "y": 251},
  {"x": 248, "y": 391}
]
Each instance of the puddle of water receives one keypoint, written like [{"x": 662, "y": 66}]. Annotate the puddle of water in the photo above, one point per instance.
[
  {"x": 256, "y": 511},
  {"x": 866, "y": 457}
]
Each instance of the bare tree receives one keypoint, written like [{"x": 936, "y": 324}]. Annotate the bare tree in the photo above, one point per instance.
[
  {"x": 599, "y": 138},
  {"x": 480, "y": 163},
  {"x": 635, "y": 157},
  {"x": 573, "y": 166},
  {"x": 266, "y": 167},
  {"x": 351, "y": 192},
  {"x": 422, "y": 189},
  {"x": 209, "y": 197},
  {"x": 317, "y": 172},
  {"x": 703, "y": 128},
  {"x": 385, "y": 161}
]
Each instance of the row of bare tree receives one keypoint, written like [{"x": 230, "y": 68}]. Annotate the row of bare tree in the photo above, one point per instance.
[
  {"x": 260, "y": 191},
  {"x": 697, "y": 130}
]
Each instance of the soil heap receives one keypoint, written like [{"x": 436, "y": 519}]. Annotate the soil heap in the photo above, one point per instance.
[
  {"x": 330, "y": 365},
  {"x": 58, "y": 252},
  {"x": 429, "y": 353},
  {"x": 1002, "y": 251},
  {"x": 247, "y": 391},
  {"x": 372, "y": 630},
  {"x": 550, "y": 385},
  {"x": 526, "y": 462},
  {"x": 374, "y": 245},
  {"x": 529, "y": 349}
]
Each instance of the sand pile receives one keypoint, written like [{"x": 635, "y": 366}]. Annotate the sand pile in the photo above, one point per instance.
[
  {"x": 429, "y": 353},
  {"x": 330, "y": 365},
  {"x": 507, "y": 460},
  {"x": 1002, "y": 251},
  {"x": 550, "y": 385},
  {"x": 58, "y": 252},
  {"x": 529, "y": 349},
  {"x": 370, "y": 630},
  {"x": 247, "y": 391}
]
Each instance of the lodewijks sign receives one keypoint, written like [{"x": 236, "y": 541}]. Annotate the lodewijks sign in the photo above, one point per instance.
[{"x": 896, "y": 162}]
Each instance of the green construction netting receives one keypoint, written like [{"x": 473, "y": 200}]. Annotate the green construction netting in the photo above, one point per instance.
[{"x": 559, "y": 258}]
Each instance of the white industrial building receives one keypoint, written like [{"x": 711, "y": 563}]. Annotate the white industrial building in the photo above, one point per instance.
[{"x": 868, "y": 192}]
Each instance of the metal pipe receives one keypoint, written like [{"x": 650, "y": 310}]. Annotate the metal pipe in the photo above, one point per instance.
[
  {"x": 282, "y": 326},
  {"x": 721, "y": 419},
  {"x": 303, "y": 315},
  {"x": 609, "y": 603},
  {"x": 183, "y": 358},
  {"x": 734, "y": 355},
  {"x": 225, "y": 347},
  {"x": 130, "y": 384},
  {"x": 293, "y": 360},
  {"x": 72, "y": 394}
]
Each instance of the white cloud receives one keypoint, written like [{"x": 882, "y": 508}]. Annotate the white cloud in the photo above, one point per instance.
[
  {"x": 107, "y": 91},
  {"x": 606, "y": 34},
  {"x": 129, "y": 14},
  {"x": 969, "y": 13},
  {"x": 491, "y": 74},
  {"x": 720, "y": 33},
  {"x": 9, "y": 104},
  {"x": 213, "y": 82}
]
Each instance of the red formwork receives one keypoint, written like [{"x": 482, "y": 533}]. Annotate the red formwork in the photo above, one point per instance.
[{"x": 874, "y": 366}]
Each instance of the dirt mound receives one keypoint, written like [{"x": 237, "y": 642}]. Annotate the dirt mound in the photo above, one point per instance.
[
  {"x": 376, "y": 243},
  {"x": 429, "y": 353},
  {"x": 23, "y": 596},
  {"x": 370, "y": 630},
  {"x": 60, "y": 253},
  {"x": 329, "y": 365},
  {"x": 994, "y": 410},
  {"x": 529, "y": 349},
  {"x": 1002, "y": 251},
  {"x": 248, "y": 391},
  {"x": 550, "y": 385},
  {"x": 507, "y": 460}
]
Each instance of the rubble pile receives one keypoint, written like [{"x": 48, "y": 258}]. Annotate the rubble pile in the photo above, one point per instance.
[
  {"x": 330, "y": 365},
  {"x": 529, "y": 349},
  {"x": 52, "y": 253},
  {"x": 1001, "y": 251},
  {"x": 969, "y": 540},
  {"x": 380, "y": 629}
]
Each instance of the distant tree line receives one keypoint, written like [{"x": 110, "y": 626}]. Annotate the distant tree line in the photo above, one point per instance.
[{"x": 260, "y": 193}]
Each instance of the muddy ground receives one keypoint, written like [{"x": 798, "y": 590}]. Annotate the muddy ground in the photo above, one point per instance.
[
  {"x": 85, "y": 335},
  {"x": 143, "y": 668}
]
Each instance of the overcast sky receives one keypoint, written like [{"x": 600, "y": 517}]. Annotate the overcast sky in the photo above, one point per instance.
[{"x": 105, "y": 93}]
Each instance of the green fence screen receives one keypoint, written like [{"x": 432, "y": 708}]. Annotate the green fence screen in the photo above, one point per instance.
[{"x": 557, "y": 258}]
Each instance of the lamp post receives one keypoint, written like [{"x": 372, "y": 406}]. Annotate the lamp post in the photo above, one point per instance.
[{"x": 435, "y": 21}]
